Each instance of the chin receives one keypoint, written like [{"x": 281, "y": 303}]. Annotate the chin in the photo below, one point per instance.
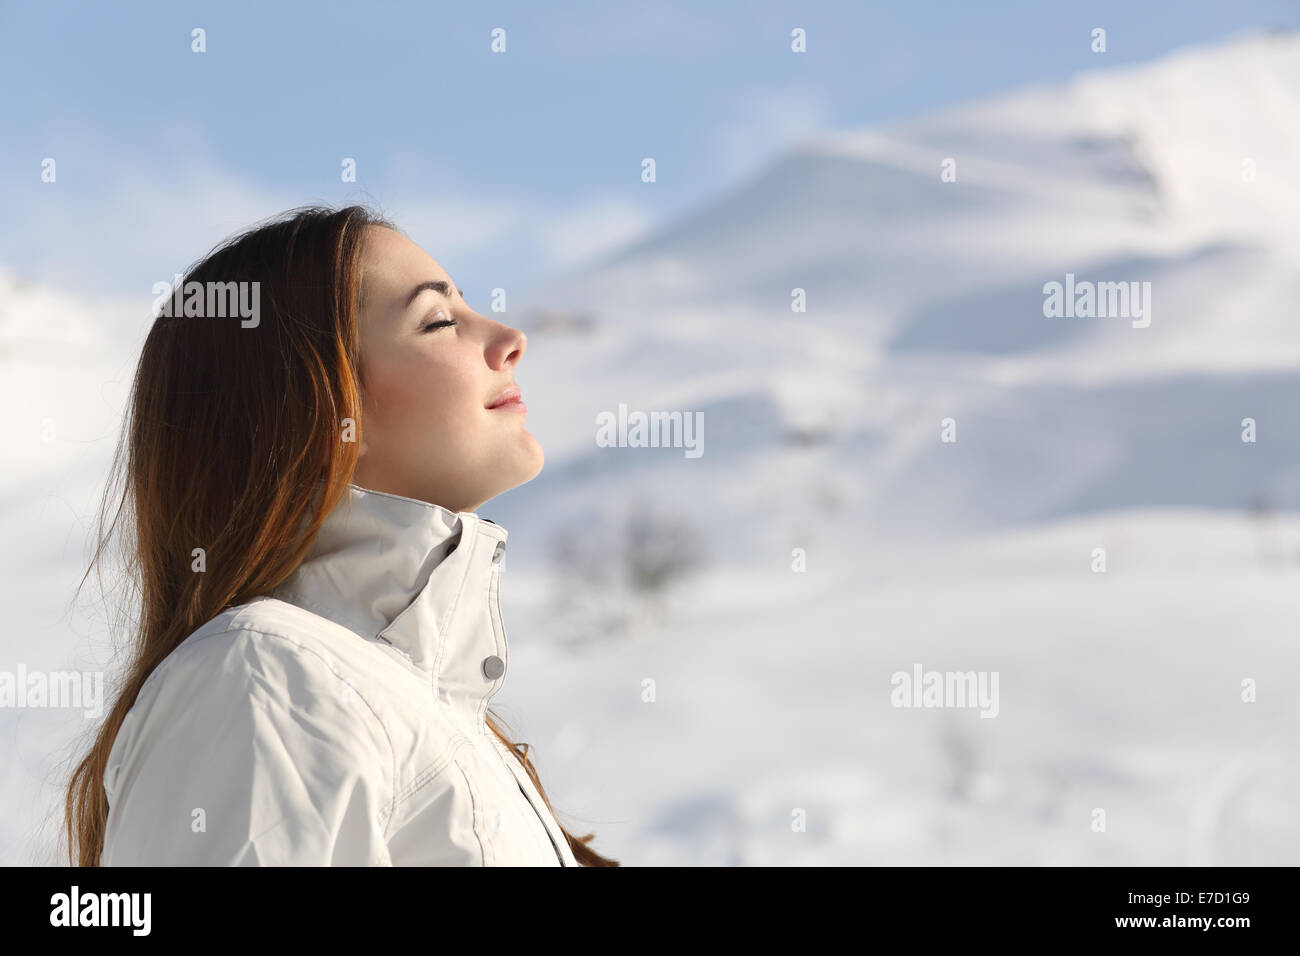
[
  {"x": 522, "y": 468},
  {"x": 531, "y": 466},
  {"x": 541, "y": 460},
  {"x": 531, "y": 458}
]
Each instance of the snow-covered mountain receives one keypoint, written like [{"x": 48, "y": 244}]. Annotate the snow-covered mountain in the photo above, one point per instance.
[{"x": 925, "y": 301}]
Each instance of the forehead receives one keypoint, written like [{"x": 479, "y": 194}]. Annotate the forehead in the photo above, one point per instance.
[{"x": 392, "y": 265}]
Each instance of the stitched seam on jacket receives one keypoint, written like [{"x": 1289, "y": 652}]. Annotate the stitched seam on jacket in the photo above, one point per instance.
[
  {"x": 451, "y": 614},
  {"x": 248, "y": 628},
  {"x": 379, "y": 642},
  {"x": 473, "y": 820},
  {"x": 425, "y": 777},
  {"x": 498, "y": 623},
  {"x": 481, "y": 714}
]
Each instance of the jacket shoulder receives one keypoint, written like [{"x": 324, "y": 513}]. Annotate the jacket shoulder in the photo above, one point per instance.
[
  {"x": 253, "y": 726},
  {"x": 278, "y": 653},
  {"x": 270, "y": 628}
]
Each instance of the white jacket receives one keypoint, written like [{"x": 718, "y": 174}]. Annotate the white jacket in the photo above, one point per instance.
[{"x": 338, "y": 720}]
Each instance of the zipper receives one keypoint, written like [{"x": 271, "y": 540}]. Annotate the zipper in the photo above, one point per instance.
[
  {"x": 516, "y": 770},
  {"x": 540, "y": 819},
  {"x": 558, "y": 855},
  {"x": 512, "y": 764}
]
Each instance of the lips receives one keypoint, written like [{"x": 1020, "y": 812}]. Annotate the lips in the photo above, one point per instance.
[{"x": 511, "y": 396}]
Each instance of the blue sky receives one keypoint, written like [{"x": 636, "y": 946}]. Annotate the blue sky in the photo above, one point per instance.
[{"x": 505, "y": 166}]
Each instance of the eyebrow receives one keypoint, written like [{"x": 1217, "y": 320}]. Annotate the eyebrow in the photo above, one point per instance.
[{"x": 431, "y": 285}]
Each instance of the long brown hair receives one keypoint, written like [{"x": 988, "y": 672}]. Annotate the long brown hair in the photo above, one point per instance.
[{"x": 225, "y": 439}]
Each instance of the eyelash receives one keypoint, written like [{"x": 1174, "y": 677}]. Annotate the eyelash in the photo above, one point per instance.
[{"x": 442, "y": 323}]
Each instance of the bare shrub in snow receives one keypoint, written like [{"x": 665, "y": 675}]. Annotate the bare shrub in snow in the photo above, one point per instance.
[{"x": 617, "y": 581}]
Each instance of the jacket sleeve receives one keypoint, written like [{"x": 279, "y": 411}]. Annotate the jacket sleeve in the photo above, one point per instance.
[{"x": 248, "y": 749}]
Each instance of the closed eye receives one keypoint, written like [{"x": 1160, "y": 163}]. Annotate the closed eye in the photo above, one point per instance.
[{"x": 441, "y": 323}]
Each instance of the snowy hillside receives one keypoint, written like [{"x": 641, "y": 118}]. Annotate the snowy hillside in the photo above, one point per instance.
[
  {"x": 925, "y": 301},
  {"x": 822, "y": 432}
]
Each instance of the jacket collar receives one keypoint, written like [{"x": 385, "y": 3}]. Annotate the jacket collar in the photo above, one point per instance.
[{"x": 418, "y": 577}]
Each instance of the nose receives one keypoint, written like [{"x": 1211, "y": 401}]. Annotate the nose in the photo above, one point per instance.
[{"x": 508, "y": 347}]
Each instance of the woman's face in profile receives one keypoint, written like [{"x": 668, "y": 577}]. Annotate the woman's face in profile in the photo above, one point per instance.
[{"x": 427, "y": 430}]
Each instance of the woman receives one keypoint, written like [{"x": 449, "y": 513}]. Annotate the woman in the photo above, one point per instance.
[{"x": 319, "y": 632}]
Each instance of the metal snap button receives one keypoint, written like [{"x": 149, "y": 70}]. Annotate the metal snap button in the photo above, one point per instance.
[{"x": 493, "y": 667}]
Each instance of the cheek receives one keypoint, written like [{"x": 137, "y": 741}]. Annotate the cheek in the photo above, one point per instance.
[{"x": 422, "y": 396}]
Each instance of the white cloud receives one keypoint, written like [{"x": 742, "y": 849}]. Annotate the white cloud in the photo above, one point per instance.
[
  {"x": 593, "y": 228},
  {"x": 120, "y": 221},
  {"x": 765, "y": 123},
  {"x": 461, "y": 222},
  {"x": 137, "y": 221}
]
